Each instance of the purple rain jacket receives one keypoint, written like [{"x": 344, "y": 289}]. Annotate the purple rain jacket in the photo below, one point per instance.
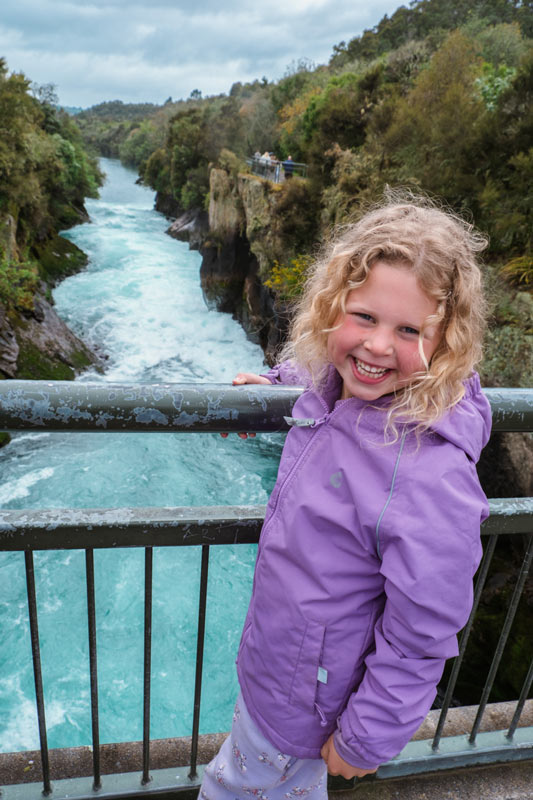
[{"x": 363, "y": 575}]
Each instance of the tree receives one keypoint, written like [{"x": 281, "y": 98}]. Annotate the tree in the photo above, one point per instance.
[{"x": 434, "y": 127}]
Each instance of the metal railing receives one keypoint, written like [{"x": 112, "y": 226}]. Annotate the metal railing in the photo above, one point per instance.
[
  {"x": 214, "y": 408},
  {"x": 276, "y": 171}
]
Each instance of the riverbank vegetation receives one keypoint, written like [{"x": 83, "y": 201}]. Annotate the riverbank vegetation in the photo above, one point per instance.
[{"x": 45, "y": 176}]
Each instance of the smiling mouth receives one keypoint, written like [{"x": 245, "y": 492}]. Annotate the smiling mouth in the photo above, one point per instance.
[{"x": 368, "y": 371}]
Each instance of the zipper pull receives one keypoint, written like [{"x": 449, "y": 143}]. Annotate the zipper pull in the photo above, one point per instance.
[
  {"x": 297, "y": 422},
  {"x": 302, "y": 422}
]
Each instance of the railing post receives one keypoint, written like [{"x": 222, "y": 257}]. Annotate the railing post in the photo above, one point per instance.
[
  {"x": 199, "y": 660},
  {"x": 37, "y": 673},
  {"x": 93, "y": 666},
  {"x": 148, "y": 562}
]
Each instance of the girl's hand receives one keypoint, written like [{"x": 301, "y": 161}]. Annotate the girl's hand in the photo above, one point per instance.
[
  {"x": 249, "y": 377},
  {"x": 338, "y": 766},
  {"x": 239, "y": 380}
]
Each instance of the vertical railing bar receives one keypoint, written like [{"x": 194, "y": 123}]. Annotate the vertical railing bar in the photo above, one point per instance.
[
  {"x": 93, "y": 665},
  {"x": 199, "y": 659},
  {"x": 148, "y": 563},
  {"x": 521, "y": 701},
  {"x": 513, "y": 605},
  {"x": 480, "y": 582},
  {"x": 37, "y": 674}
]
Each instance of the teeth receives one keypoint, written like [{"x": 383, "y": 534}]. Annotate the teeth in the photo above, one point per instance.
[{"x": 368, "y": 370}]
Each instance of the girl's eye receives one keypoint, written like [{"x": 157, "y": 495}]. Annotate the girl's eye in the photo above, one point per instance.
[
  {"x": 365, "y": 317},
  {"x": 410, "y": 331}
]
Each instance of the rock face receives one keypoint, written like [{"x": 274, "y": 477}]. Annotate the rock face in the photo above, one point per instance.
[
  {"x": 238, "y": 254},
  {"x": 190, "y": 226},
  {"x": 9, "y": 347},
  {"x": 47, "y": 348},
  {"x": 239, "y": 240},
  {"x": 36, "y": 344}
]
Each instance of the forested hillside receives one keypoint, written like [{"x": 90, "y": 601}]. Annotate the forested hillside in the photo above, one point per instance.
[
  {"x": 438, "y": 97},
  {"x": 45, "y": 176}
]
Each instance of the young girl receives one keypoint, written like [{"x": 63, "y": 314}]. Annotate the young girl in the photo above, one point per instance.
[{"x": 371, "y": 535}]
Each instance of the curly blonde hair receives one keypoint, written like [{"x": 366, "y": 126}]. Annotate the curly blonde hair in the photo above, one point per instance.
[{"x": 441, "y": 248}]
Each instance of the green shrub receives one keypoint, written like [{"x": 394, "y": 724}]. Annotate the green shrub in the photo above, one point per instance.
[
  {"x": 519, "y": 271},
  {"x": 287, "y": 280},
  {"x": 18, "y": 283},
  {"x": 231, "y": 163},
  {"x": 492, "y": 82}
]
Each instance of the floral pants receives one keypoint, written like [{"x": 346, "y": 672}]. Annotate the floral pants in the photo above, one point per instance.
[{"x": 248, "y": 766}]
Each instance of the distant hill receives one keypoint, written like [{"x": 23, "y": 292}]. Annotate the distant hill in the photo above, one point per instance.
[
  {"x": 117, "y": 111},
  {"x": 72, "y": 110}
]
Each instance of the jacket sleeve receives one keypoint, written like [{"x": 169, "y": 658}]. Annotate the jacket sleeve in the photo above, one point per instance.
[
  {"x": 430, "y": 548},
  {"x": 287, "y": 373}
]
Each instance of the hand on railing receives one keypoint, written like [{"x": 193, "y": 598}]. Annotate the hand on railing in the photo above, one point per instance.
[
  {"x": 241, "y": 379},
  {"x": 338, "y": 766}
]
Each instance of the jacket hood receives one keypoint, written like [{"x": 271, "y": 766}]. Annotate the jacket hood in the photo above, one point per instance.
[{"x": 467, "y": 425}]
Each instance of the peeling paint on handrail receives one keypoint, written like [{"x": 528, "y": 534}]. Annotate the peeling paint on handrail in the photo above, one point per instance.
[
  {"x": 62, "y": 406},
  {"x": 172, "y": 408}
]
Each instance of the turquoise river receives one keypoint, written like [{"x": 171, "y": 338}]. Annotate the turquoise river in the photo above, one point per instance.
[{"x": 139, "y": 302}]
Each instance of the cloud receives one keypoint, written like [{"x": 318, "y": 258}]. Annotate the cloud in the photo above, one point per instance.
[{"x": 123, "y": 49}]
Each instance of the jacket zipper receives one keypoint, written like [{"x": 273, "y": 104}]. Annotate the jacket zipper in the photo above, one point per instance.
[
  {"x": 286, "y": 479},
  {"x": 315, "y": 425}
]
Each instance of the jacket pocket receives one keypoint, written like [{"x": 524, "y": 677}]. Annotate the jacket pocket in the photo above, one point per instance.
[{"x": 304, "y": 682}]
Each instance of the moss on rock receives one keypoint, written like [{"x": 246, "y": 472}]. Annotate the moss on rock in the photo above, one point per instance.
[
  {"x": 58, "y": 258},
  {"x": 48, "y": 350},
  {"x": 35, "y": 365}
]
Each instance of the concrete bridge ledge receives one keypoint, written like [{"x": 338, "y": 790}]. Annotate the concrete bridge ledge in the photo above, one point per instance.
[
  {"x": 510, "y": 781},
  {"x": 496, "y": 782}
]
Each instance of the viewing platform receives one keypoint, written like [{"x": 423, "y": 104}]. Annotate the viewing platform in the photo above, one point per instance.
[
  {"x": 274, "y": 170},
  {"x": 470, "y": 753}
]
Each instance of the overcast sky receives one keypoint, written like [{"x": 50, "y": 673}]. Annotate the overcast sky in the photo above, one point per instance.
[{"x": 149, "y": 50}]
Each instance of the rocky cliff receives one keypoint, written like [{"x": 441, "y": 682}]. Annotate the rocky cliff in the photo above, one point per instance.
[
  {"x": 34, "y": 342},
  {"x": 251, "y": 225}
]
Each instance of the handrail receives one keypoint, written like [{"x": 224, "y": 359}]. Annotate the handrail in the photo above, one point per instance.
[
  {"x": 75, "y": 528},
  {"x": 274, "y": 170},
  {"x": 175, "y": 407}
]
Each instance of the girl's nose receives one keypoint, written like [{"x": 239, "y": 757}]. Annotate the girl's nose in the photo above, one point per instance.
[{"x": 379, "y": 343}]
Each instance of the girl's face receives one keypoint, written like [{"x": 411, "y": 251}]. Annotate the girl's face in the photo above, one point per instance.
[{"x": 375, "y": 350}]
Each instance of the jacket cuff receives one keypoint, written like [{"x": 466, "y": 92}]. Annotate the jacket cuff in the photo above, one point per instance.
[
  {"x": 269, "y": 377},
  {"x": 273, "y": 375},
  {"x": 356, "y": 760}
]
